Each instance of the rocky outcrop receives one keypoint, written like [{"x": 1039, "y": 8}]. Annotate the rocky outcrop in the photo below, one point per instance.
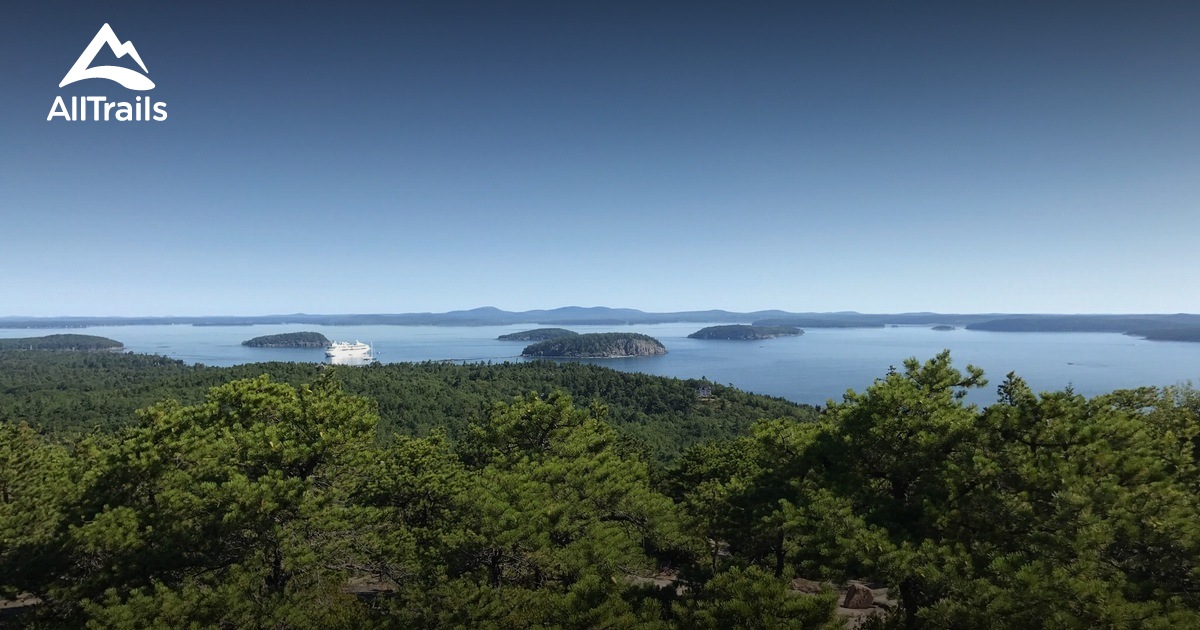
[
  {"x": 635, "y": 348},
  {"x": 807, "y": 586},
  {"x": 858, "y": 596}
]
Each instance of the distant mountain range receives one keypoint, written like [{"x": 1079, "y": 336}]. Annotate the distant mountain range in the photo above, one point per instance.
[{"x": 1179, "y": 327}]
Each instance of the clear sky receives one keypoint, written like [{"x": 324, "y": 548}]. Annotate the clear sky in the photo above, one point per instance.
[{"x": 395, "y": 157}]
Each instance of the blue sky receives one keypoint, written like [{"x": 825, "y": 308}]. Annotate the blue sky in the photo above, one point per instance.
[{"x": 880, "y": 157}]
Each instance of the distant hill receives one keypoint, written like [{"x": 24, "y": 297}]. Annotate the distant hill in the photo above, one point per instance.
[
  {"x": 74, "y": 343},
  {"x": 289, "y": 340},
  {"x": 491, "y": 316},
  {"x": 597, "y": 346},
  {"x": 537, "y": 334},
  {"x": 742, "y": 332}
]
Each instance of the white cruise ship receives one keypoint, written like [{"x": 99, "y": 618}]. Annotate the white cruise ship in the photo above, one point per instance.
[{"x": 345, "y": 349}]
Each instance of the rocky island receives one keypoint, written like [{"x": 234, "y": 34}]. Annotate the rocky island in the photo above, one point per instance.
[
  {"x": 597, "y": 346},
  {"x": 537, "y": 334},
  {"x": 743, "y": 332},
  {"x": 71, "y": 343},
  {"x": 289, "y": 340}
]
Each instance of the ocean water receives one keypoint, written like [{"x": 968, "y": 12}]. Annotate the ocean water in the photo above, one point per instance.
[{"x": 813, "y": 368}]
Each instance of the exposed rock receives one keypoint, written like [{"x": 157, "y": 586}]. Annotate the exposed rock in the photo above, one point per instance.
[
  {"x": 806, "y": 586},
  {"x": 858, "y": 596}
]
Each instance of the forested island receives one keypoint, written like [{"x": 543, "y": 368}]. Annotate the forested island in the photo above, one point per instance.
[
  {"x": 69, "y": 343},
  {"x": 440, "y": 496},
  {"x": 743, "y": 332},
  {"x": 943, "y": 328},
  {"x": 289, "y": 340},
  {"x": 537, "y": 334},
  {"x": 597, "y": 346}
]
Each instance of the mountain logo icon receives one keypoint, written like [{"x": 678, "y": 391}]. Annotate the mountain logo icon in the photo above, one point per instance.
[{"x": 131, "y": 79}]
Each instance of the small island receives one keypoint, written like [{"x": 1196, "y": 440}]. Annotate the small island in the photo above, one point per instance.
[
  {"x": 67, "y": 343},
  {"x": 743, "y": 332},
  {"x": 942, "y": 327},
  {"x": 289, "y": 340},
  {"x": 597, "y": 346},
  {"x": 537, "y": 334}
]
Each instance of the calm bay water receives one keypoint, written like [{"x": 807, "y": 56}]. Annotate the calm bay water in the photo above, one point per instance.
[{"x": 821, "y": 364}]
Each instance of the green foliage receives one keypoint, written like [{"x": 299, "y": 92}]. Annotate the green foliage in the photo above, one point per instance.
[
  {"x": 279, "y": 501},
  {"x": 751, "y": 598},
  {"x": 1039, "y": 511},
  {"x": 555, "y": 521},
  {"x": 215, "y": 513},
  {"x": 36, "y": 479},
  {"x": 71, "y": 393}
]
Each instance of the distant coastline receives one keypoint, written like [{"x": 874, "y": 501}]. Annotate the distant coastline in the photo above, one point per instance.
[{"x": 1175, "y": 327}]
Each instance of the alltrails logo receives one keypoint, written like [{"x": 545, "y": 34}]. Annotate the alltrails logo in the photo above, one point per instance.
[{"x": 99, "y": 107}]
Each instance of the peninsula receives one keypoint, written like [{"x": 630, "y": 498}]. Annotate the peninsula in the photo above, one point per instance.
[
  {"x": 289, "y": 340},
  {"x": 743, "y": 332},
  {"x": 597, "y": 346}
]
